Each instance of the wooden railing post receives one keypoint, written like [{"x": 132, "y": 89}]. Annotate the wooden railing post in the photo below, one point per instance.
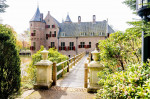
[
  {"x": 74, "y": 60},
  {"x": 54, "y": 73},
  {"x": 88, "y": 59},
  {"x": 85, "y": 75},
  {"x": 68, "y": 66},
  {"x": 77, "y": 58},
  {"x": 71, "y": 64},
  {"x": 63, "y": 69}
]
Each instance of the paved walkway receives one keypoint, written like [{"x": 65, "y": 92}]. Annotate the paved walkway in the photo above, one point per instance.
[
  {"x": 61, "y": 93},
  {"x": 74, "y": 78},
  {"x": 71, "y": 86}
]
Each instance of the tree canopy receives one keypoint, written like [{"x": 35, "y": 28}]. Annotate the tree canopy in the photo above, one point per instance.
[
  {"x": 9, "y": 63},
  {"x": 3, "y": 6}
]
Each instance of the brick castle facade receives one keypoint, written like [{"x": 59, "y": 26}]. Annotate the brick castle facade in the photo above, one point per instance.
[{"x": 70, "y": 38}]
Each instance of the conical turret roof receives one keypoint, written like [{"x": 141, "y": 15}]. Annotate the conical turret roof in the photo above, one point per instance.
[
  {"x": 36, "y": 16},
  {"x": 68, "y": 19}
]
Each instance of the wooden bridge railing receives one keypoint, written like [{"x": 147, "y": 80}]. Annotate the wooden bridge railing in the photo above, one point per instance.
[{"x": 70, "y": 62}]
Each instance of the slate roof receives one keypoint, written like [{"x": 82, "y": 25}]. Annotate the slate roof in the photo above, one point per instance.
[
  {"x": 36, "y": 16},
  {"x": 75, "y": 29},
  {"x": 68, "y": 19}
]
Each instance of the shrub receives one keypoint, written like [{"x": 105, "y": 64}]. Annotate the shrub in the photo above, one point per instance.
[
  {"x": 132, "y": 83},
  {"x": 53, "y": 56},
  {"x": 9, "y": 63}
]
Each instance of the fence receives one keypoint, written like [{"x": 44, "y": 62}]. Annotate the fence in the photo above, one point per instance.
[{"x": 70, "y": 62}]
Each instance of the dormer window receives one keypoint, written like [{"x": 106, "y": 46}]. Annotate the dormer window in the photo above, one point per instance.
[
  {"x": 63, "y": 34},
  {"x": 103, "y": 33},
  {"x": 92, "y": 34},
  {"x": 100, "y": 33},
  {"x": 83, "y": 34}
]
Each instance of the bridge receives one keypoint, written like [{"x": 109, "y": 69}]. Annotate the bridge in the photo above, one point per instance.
[{"x": 70, "y": 85}]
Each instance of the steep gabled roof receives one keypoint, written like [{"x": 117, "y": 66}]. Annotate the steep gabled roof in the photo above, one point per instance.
[{"x": 36, "y": 16}]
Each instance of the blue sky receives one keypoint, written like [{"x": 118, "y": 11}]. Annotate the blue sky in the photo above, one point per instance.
[{"x": 20, "y": 12}]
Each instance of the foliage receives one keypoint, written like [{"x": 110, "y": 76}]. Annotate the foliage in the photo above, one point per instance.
[
  {"x": 120, "y": 49},
  {"x": 9, "y": 63},
  {"x": 131, "y": 4},
  {"x": 132, "y": 83},
  {"x": 3, "y": 5},
  {"x": 53, "y": 56}
]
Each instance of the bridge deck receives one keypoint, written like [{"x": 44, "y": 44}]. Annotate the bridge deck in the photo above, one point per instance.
[
  {"x": 74, "y": 78},
  {"x": 71, "y": 86}
]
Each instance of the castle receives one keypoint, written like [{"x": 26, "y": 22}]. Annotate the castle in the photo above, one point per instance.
[{"x": 70, "y": 38}]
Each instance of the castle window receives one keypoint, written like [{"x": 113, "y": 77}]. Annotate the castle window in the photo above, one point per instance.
[
  {"x": 53, "y": 26},
  {"x": 52, "y": 44},
  {"x": 47, "y": 26},
  {"x": 89, "y": 44},
  {"x": 46, "y": 36},
  {"x": 54, "y": 33},
  {"x": 82, "y": 44},
  {"x": 63, "y": 46},
  {"x": 50, "y": 34},
  {"x": 71, "y": 47},
  {"x": 34, "y": 45},
  {"x": 34, "y": 33}
]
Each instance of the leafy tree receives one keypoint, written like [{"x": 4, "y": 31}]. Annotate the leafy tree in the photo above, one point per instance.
[
  {"x": 121, "y": 49},
  {"x": 9, "y": 63},
  {"x": 3, "y": 5},
  {"x": 131, "y": 4}
]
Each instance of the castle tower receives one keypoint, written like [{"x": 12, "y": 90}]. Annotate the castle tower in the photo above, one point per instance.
[{"x": 37, "y": 28}]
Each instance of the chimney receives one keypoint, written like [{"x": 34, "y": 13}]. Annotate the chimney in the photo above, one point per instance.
[
  {"x": 48, "y": 12},
  {"x": 94, "y": 18},
  {"x": 41, "y": 16},
  {"x": 79, "y": 19}
]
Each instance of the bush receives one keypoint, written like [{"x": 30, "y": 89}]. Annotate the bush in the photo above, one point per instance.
[
  {"x": 9, "y": 63},
  {"x": 53, "y": 56},
  {"x": 132, "y": 83}
]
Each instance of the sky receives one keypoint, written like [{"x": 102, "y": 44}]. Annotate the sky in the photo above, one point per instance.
[{"x": 20, "y": 12}]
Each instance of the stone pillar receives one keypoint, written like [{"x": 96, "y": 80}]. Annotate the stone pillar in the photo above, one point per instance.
[
  {"x": 94, "y": 68},
  {"x": 44, "y": 72}
]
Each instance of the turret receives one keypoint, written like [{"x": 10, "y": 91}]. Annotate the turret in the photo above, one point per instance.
[
  {"x": 37, "y": 26},
  {"x": 68, "y": 20}
]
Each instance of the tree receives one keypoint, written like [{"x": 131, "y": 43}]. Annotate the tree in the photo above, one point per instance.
[
  {"x": 131, "y": 4},
  {"x": 3, "y": 5},
  {"x": 121, "y": 49},
  {"x": 9, "y": 63}
]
